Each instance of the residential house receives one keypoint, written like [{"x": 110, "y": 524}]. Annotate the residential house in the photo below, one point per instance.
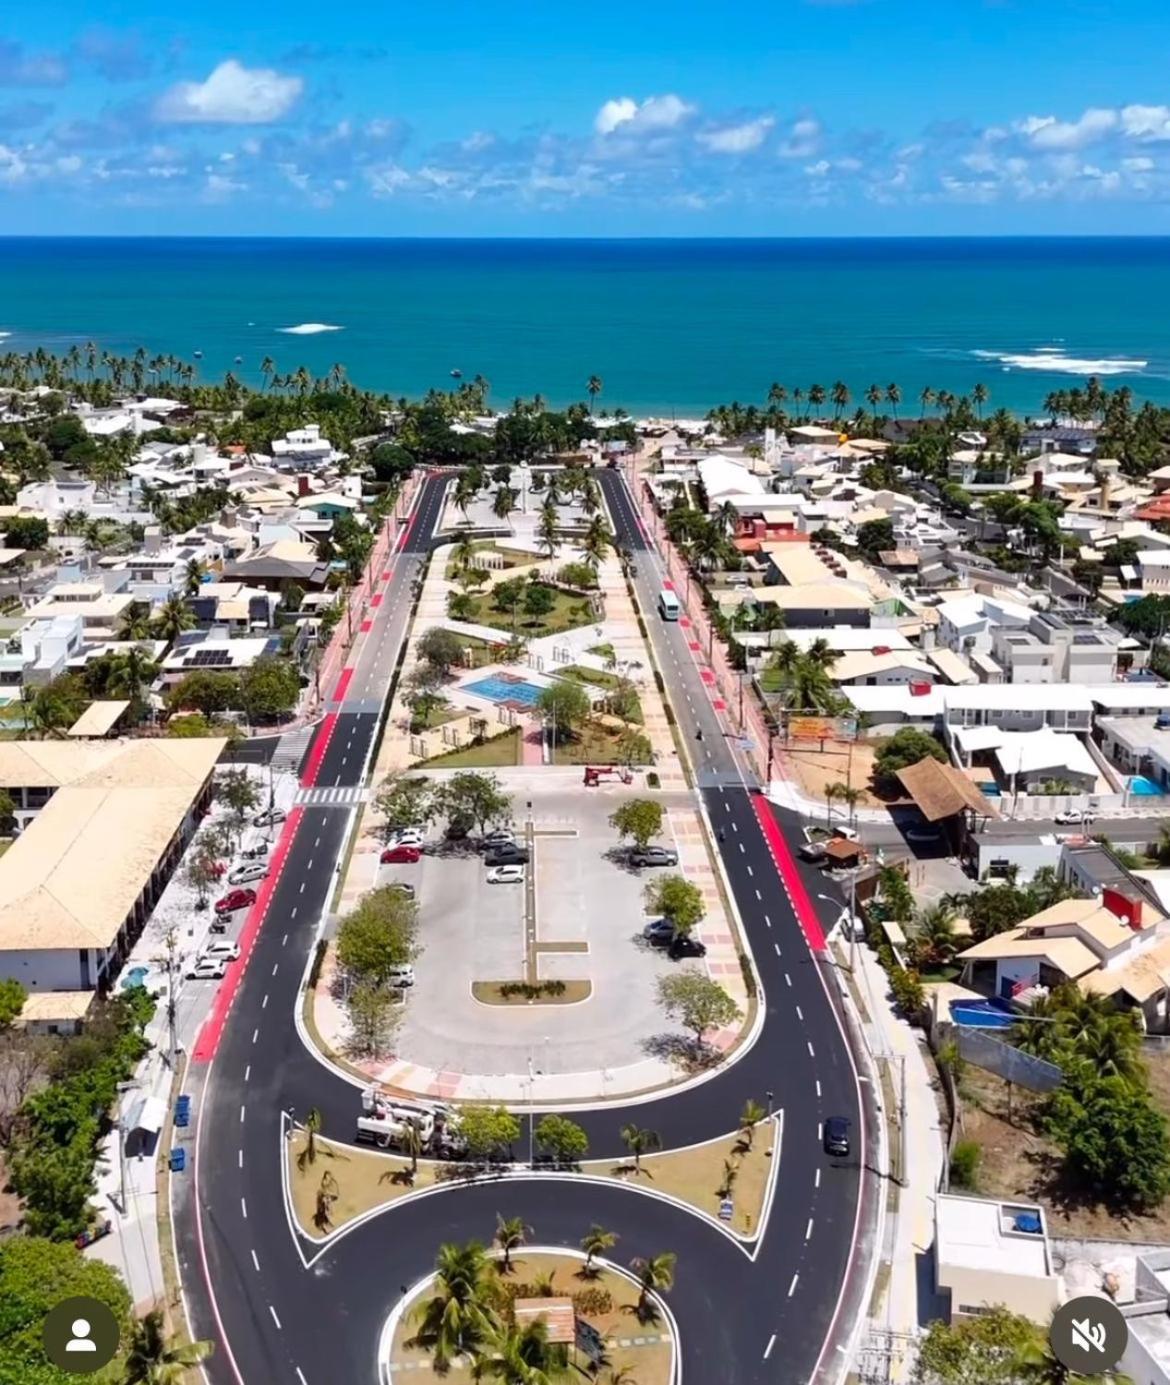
[
  {"x": 1020, "y": 707},
  {"x": 214, "y": 651},
  {"x": 970, "y": 623},
  {"x": 988, "y": 1252},
  {"x": 304, "y": 449},
  {"x": 1055, "y": 648},
  {"x": 277, "y": 563},
  {"x": 101, "y": 612},
  {"x": 37, "y": 653}
]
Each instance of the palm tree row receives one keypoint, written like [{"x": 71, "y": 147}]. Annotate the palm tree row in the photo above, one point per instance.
[
  {"x": 804, "y": 676},
  {"x": 468, "y": 1314}
]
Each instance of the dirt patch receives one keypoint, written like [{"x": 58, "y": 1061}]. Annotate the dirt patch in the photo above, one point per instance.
[
  {"x": 1020, "y": 1161},
  {"x": 351, "y": 1180},
  {"x": 492, "y": 993},
  {"x": 840, "y": 762},
  {"x": 647, "y": 1360}
]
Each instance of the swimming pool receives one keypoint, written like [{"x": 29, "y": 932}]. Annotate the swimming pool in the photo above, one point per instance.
[
  {"x": 982, "y": 1014},
  {"x": 500, "y": 688},
  {"x": 1141, "y": 787}
]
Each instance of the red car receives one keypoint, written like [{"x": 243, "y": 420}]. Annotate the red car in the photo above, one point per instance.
[
  {"x": 235, "y": 899},
  {"x": 400, "y": 855}
]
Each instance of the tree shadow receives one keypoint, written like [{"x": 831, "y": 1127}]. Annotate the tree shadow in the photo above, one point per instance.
[
  {"x": 628, "y": 1167},
  {"x": 646, "y": 1313},
  {"x": 681, "y": 1050},
  {"x": 403, "y": 1178}
]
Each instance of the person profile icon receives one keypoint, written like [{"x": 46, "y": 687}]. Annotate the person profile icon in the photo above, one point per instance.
[{"x": 81, "y": 1340}]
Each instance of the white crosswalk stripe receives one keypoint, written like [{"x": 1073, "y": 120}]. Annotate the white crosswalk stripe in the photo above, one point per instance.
[{"x": 335, "y": 796}]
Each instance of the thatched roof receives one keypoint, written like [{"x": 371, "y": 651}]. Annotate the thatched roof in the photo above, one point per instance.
[{"x": 940, "y": 791}]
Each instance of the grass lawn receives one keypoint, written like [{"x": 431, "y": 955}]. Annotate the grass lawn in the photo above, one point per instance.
[
  {"x": 647, "y": 1360},
  {"x": 568, "y": 613},
  {"x": 696, "y": 1176},
  {"x": 511, "y": 560},
  {"x": 483, "y": 652},
  {"x": 498, "y": 751},
  {"x": 437, "y": 716},
  {"x": 598, "y": 678},
  {"x": 360, "y": 1180},
  {"x": 603, "y": 651},
  {"x": 593, "y": 744}
]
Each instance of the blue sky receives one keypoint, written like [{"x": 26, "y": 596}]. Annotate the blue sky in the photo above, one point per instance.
[{"x": 795, "y": 117}]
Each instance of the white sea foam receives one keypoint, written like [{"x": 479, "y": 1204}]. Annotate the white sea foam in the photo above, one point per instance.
[
  {"x": 1054, "y": 360},
  {"x": 309, "y": 329}
]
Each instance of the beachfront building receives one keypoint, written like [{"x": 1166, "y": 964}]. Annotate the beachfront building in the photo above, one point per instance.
[
  {"x": 304, "y": 449},
  {"x": 106, "y": 824}
]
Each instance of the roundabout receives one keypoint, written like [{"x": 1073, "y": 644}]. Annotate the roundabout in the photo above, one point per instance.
[{"x": 284, "y": 1305}]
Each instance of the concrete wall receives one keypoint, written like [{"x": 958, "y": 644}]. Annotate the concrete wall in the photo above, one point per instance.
[
  {"x": 1036, "y": 1298},
  {"x": 50, "y": 970}
]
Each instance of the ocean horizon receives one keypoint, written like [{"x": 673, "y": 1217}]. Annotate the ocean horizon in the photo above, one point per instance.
[{"x": 672, "y": 325}]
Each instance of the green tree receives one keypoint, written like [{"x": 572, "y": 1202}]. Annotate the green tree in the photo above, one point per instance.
[
  {"x": 896, "y": 895},
  {"x": 54, "y": 708},
  {"x": 489, "y": 1131},
  {"x": 503, "y": 503},
  {"x": 202, "y": 871},
  {"x": 371, "y": 1018},
  {"x": 441, "y": 648},
  {"x": 982, "y": 1350},
  {"x": 877, "y": 536},
  {"x": 566, "y": 706},
  {"x": 153, "y": 1358},
  {"x": 475, "y": 797},
  {"x": 377, "y": 935},
  {"x": 639, "y": 819},
  {"x": 677, "y": 900},
  {"x": 996, "y": 908},
  {"x": 172, "y": 618},
  {"x": 511, "y": 1233},
  {"x": 206, "y": 692},
  {"x": 240, "y": 793},
  {"x": 269, "y": 689},
  {"x": 698, "y": 1003},
  {"x": 596, "y": 1241},
  {"x": 423, "y": 693},
  {"x": 548, "y": 529},
  {"x": 655, "y": 1276},
  {"x": 459, "y": 1316},
  {"x": 1114, "y": 1140},
  {"x": 405, "y": 801},
  {"x": 593, "y": 387},
  {"x": 539, "y": 600},
  {"x": 12, "y": 998},
  {"x": 596, "y": 542},
  {"x": 751, "y": 1115},
  {"x": 639, "y": 1141},
  {"x": 904, "y": 748},
  {"x": 935, "y": 939},
  {"x": 26, "y": 532},
  {"x": 563, "y": 1140},
  {"x": 312, "y": 1127}
]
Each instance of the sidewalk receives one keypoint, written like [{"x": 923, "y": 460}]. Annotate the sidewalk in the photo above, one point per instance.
[{"x": 908, "y": 1302}]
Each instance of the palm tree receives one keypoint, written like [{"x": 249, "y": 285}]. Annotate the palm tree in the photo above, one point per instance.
[
  {"x": 751, "y": 1115},
  {"x": 639, "y": 1142},
  {"x": 850, "y": 796},
  {"x": 594, "y": 387},
  {"x": 463, "y": 550},
  {"x": 934, "y": 932},
  {"x": 516, "y": 1355},
  {"x": 412, "y": 1144},
  {"x": 312, "y": 1125},
  {"x": 894, "y": 398},
  {"x": 1036, "y": 1363},
  {"x": 511, "y": 1233},
  {"x": 172, "y": 618},
  {"x": 460, "y": 1316},
  {"x": 465, "y": 492},
  {"x": 154, "y": 1360},
  {"x": 193, "y": 575},
  {"x": 267, "y": 369},
  {"x": 873, "y": 397},
  {"x": 832, "y": 793},
  {"x": 548, "y": 530},
  {"x": 596, "y": 1241},
  {"x": 130, "y": 674},
  {"x": 816, "y": 395},
  {"x": 596, "y": 541},
  {"x": 619, "y": 1375},
  {"x": 655, "y": 1276},
  {"x": 726, "y": 517},
  {"x": 503, "y": 504},
  {"x": 840, "y": 397},
  {"x": 980, "y": 394},
  {"x": 926, "y": 398},
  {"x": 590, "y": 497}
]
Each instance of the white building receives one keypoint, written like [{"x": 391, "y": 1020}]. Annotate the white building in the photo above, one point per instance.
[
  {"x": 989, "y": 1252},
  {"x": 970, "y": 623},
  {"x": 305, "y": 449},
  {"x": 38, "y": 653}
]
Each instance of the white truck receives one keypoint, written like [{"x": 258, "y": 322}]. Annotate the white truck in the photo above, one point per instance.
[{"x": 389, "y": 1127}]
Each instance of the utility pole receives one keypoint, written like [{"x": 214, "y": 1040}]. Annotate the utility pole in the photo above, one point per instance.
[{"x": 531, "y": 1115}]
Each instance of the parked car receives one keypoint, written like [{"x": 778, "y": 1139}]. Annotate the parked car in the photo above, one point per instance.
[
  {"x": 235, "y": 899},
  {"x": 653, "y": 856},
  {"x": 685, "y": 946},
  {"x": 499, "y": 836},
  {"x": 207, "y": 969},
  {"x": 1071, "y": 816},
  {"x": 507, "y": 854},
  {"x": 400, "y": 855},
  {"x": 245, "y": 874},
  {"x": 255, "y": 853},
  {"x": 225, "y": 950},
  {"x": 401, "y": 976},
  {"x": 402, "y": 888},
  {"x": 837, "y": 1135},
  {"x": 506, "y": 875},
  {"x": 270, "y": 817},
  {"x": 811, "y": 851},
  {"x": 407, "y": 836},
  {"x": 659, "y": 932}
]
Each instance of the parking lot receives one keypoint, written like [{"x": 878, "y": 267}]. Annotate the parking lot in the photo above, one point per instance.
[{"x": 470, "y": 930}]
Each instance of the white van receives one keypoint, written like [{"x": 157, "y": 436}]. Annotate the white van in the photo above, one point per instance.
[
  {"x": 247, "y": 873},
  {"x": 401, "y": 976}
]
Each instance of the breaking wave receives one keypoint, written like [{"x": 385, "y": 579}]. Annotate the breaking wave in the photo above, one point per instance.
[
  {"x": 309, "y": 329},
  {"x": 1055, "y": 360}
]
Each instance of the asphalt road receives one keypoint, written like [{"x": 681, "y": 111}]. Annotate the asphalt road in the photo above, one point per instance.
[{"x": 244, "y": 1279}]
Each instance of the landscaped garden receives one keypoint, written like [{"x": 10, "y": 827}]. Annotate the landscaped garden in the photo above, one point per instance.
[{"x": 529, "y": 610}]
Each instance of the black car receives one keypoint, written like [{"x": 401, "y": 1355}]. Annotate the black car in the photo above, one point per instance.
[
  {"x": 837, "y": 1135},
  {"x": 507, "y": 854},
  {"x": 686, "y": 947}
]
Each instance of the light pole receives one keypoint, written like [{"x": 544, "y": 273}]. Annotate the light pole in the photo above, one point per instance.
[
  {"x": 771, "y": 1097},
  {"x": 123, "y": 1088},
  {"x": 531, "y": 1115}
]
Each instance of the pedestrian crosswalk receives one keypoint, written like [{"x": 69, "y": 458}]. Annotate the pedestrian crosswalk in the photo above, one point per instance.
[
  {"x": 338, "y": 796},
  {"x": 290, "y": 749}
]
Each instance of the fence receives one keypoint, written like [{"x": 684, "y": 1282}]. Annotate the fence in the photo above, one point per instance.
[{"x": 978, "y": 1047}]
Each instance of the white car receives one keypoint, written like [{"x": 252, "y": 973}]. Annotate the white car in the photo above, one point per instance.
[
  {"x": 223, "y": 950},
  {"x": 506, "y": 875},
  {"x": 408, "y": 836},
  {"x": 1073, "y": 817},
  {"x": 270, "y": 817},
  {"x": 498, "y": 836},
  {"x": 208, "y": 969}
]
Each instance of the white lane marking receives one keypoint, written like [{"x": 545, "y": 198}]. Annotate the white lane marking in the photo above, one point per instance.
[
  {"x": 302, "y": 889},
  {"x": 771, "y": 1344},
  {"x": 247, "y": 1072},
  {"x": 301, "y": 1376},
  {"x": 310, "y": 865},
  {"x": 818, "y": 1089},
  {"x": 787, "y": 978},
  {"x": 255, "y": 1035},
  {"x": 734, "y": 825},
  {"x": 750, "y": 871},
  {"x": 808, "y": 1230},
  {"x": 255, "y": 1262},
  {"x": 777, "y": 947},
  {"x": 767, "y": 920},
  {"x": 799, "y": 1014},
  {"x": 811, "y": 1051},
  {"x": 241, "y": 1114},
  {"x": 759, "y": 895},
  {"x": 792, "y": 1286},
  {"x": 317, "y": 842},
  {"x": 294, "y": 911},
  {"x": 741, "y": 846},
  {"x": 264, "y": 1002},
  {"x": 275, "y": 1319},
  {"x": 817, "y": 1179},
  {"x": 282, "y": 943},
  {"x": 244, "y": 1208},
  {"x": 239, "y": 1158},
  {"x": 274, "y": 967}
]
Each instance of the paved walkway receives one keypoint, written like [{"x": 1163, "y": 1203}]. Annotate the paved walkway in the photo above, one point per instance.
[{"x": 909, "y": 1302}]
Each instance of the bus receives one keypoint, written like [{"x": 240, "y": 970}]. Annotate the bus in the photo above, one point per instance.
[{"x": 668, "y": 607}]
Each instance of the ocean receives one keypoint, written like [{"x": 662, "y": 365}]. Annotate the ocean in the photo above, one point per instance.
[{"x": 669, "y": 325}]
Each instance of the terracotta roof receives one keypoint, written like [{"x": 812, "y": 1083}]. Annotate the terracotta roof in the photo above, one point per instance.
[
  {"x": 940, "y": 791},
  {"x": 1068, "y": 955}
]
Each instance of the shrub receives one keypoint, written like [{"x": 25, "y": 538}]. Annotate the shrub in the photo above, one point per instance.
[
  {"x": 749, "y": 976},
  {"x": 652, "y": 780},
  {"x": 594, "y": 1302},
  {"x": 965, "y": 1159}
]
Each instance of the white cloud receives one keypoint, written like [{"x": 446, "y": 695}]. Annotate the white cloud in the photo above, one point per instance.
[
  {"x": 12, "y": 167},
  {"x": 220, "y": 188},
  {"x": 387, "y": 180},
  {"x": 819, "y": 169},
  {"x": 1141, "y": 164},
  {"x": 231, "y": 95},
  {"x": 477, "y": 142},
  {"x": 655, "y": 113},
  {"x": 1146, "y": 122},
  {"x": 1046, "y": 132},
  {"x": 736, "y": 139},
  {"x": 803, "y": 140}
]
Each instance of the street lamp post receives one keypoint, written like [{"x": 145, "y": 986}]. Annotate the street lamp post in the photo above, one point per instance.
[
  {"x": 771, "y": 1097},
  {"x": 531, "y": 1116}
]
